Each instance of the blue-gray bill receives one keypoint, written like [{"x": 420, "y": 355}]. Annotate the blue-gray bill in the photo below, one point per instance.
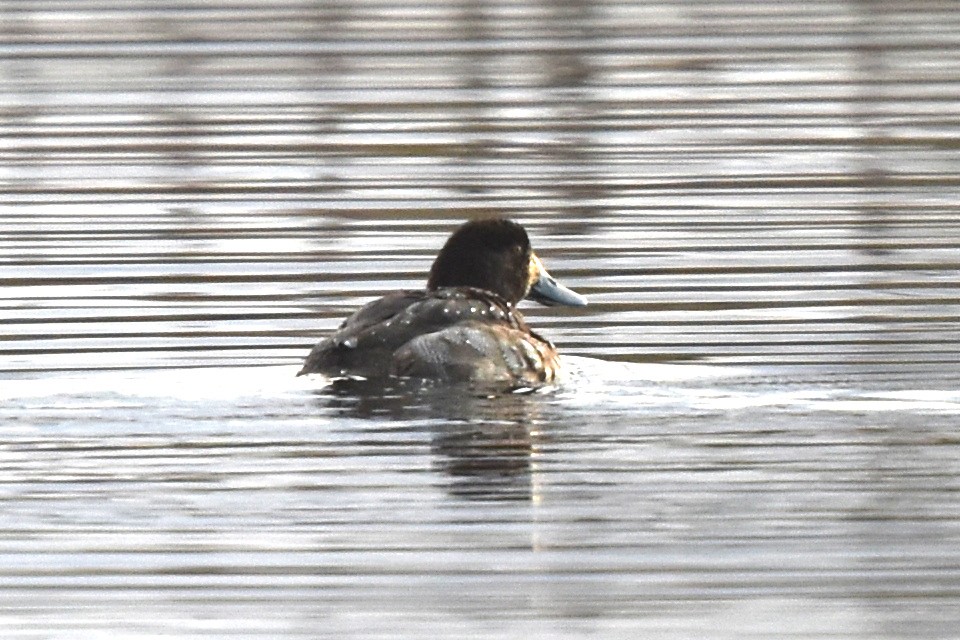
[{"x": 546, "y": 290}]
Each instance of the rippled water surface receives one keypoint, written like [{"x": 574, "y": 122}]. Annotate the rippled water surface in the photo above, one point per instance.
[{"x": 758, "y": 434}]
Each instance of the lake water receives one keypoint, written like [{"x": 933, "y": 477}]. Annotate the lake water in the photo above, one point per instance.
[{"x": 758, "y": 432}]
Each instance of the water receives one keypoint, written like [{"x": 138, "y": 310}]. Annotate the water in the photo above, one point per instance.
[{"x": 757, "y": 436}]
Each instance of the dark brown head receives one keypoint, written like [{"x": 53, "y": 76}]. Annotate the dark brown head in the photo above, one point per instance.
[{"x": 494, "y": 254}]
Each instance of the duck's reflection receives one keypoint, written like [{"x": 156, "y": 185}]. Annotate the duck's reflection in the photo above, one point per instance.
[
  {"x": 483, "y": 443},
  {"x": 488, "y": 459}
]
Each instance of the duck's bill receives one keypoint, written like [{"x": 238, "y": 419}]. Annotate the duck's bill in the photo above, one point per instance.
[{"x": 546, "y": 290}]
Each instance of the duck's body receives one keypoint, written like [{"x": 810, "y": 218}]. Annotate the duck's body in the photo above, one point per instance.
[{"x": 464, "y": 327}]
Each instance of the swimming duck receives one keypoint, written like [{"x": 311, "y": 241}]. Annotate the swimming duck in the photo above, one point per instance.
[{"x": 464, "y": 327}]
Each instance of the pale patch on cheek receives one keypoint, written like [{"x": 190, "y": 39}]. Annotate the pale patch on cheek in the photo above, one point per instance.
[{"x": 534, "y": 271}]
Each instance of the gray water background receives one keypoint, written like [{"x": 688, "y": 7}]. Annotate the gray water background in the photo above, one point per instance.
[{"x": 759, "y": 438}]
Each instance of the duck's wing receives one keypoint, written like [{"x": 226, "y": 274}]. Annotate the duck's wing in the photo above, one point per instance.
[
  {"x": 356, "y": 342},
  {"x": 366, "y": 343},
  {"x": 380, "y": 310},
  {"x": 479, "y": 353}
]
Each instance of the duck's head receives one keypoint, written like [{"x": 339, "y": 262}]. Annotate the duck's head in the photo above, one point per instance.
[{"x": 494, "y": 254}]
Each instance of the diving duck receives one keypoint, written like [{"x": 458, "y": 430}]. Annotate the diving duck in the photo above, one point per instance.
[{"x": 464, "y": 327}]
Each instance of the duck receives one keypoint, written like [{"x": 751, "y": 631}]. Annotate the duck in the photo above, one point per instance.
[{"x": 464, "y": 327}]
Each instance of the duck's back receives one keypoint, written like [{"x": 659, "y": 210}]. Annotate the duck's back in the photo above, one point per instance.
[{"x": 453, "y": 334}]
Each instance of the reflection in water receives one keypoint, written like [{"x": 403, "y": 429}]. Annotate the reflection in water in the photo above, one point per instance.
[
  {"x": 484, "y": 442},
  {"x": 487, "y": 460}
]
